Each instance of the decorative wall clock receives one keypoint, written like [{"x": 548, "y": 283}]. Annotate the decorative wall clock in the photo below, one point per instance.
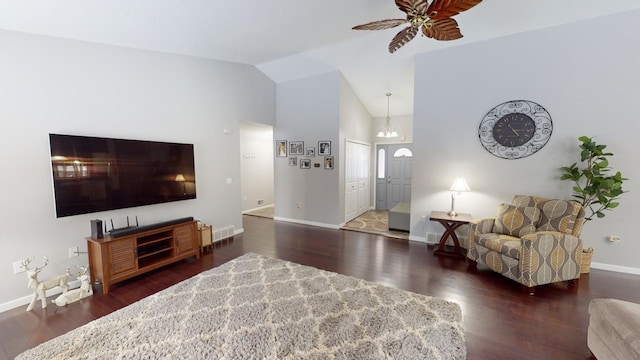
[{"x": 515, "y": 129}]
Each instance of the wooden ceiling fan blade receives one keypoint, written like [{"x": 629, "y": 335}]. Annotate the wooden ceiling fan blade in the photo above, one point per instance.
[
  {"x": 380, "y": 24},
  {"x": 409, "y": 5},
  {"x": 440, "y": 9},
  {"x": 401, "y": 38},
  {"x": 443, "y": 30}
]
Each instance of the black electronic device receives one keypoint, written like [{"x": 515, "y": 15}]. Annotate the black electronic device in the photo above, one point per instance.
[
  {"x": 135, "y": 229},
  {"x": 126, "y": 228},
  {"x": 92, "y": 174},
  {"x": 96, "y": 229}
]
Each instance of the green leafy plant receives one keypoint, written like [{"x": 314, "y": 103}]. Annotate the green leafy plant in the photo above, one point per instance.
[{"x": 594, "y": 187}]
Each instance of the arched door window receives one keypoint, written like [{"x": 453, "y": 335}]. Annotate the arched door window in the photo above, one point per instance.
[{"x": 403, "y": 152}]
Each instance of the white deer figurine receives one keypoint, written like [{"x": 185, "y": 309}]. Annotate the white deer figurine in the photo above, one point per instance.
[
  {"x": 76, "y": 294},
  {"x": 40, "y": 287}
]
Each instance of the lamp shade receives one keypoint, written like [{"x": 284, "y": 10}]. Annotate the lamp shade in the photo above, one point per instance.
[
  {"x": 460, "y": 185},
  {"x": 180, "y": 177}
]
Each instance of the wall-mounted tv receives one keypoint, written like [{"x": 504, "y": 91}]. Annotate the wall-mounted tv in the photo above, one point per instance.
[{"x": 92, "y": 174}]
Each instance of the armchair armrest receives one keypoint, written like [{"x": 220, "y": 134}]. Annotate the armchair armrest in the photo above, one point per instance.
[
  {"x": 476, "y": 227},
  {"x": 557, "y": 255},
  {"x": 551, "y": 239},
  {"x": 481, "y": 226}
]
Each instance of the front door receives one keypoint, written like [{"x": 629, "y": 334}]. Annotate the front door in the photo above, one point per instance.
[{"x": 393, "y": 175}]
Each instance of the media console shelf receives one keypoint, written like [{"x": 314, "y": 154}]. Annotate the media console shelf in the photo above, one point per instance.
[{"x": 136, "y": 251}]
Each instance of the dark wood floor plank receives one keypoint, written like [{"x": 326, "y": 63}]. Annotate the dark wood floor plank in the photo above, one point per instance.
[{"x": 501, "y": 322}]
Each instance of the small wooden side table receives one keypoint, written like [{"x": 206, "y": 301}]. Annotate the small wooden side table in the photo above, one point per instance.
[
  {"x": 205, "y": 233},
  {"x": 450, "y": 223}
]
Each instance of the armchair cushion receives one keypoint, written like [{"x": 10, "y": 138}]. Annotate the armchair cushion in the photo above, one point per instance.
[
  {"x": 503, "y": 244},
  {"x": 556, "y": 215},
  {"x": 516, "y": 221}
]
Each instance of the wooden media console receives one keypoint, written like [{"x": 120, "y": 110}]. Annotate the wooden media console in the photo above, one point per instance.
[{"x": 124, "y": 254}]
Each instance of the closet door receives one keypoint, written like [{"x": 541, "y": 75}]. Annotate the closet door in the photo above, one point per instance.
[
  {"x": 364, "y": 190},
  {"x": 351, "y": 183},
  {"x": 357, "y": 187}
]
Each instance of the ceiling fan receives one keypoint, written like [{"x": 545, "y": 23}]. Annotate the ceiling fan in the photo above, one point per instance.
[{"x": 434, "y": 19}]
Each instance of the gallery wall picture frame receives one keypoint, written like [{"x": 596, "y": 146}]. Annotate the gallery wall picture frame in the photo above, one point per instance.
[
  {"x": 311, "y": 152},
  {"x": 293, "y": 161},
  {"x": 328, "y": 162},
  {"x": 281, "y": 148},
  {"x": 296, "y": 147},
  {"x": 305, "y": 163},
  {"x": 324, "y": 148}
]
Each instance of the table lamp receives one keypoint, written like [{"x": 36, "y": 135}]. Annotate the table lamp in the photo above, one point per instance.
[
  {"x": 459, "y": 185},
  {"x": 180, "y": 178}
]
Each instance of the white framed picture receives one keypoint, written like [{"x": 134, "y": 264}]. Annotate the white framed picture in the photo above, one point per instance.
[
  {"x": 296, "y": 148},
  {"x": 324, "y": 148}
]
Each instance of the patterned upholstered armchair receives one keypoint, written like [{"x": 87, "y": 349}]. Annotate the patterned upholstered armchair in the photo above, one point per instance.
[{"x": 534, "y": 241}]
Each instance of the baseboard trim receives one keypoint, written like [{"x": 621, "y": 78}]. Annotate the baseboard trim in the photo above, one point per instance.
[
  {"x": 615, "y": 268},
  {"x": 310, "y": 223},
  {"x": 258, "y": 208},
  {"x": 25, "y": 300}
]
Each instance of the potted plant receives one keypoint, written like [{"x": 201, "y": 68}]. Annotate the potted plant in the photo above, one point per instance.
[{"x": 594, "y": 187}]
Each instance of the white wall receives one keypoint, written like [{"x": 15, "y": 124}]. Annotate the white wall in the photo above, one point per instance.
[
  {"x": 322, "y": 107},
  {"x": 51, "y": 85},
  {"x": 308, "y": 110},
  {"x": 585, "y": 74},
  {"x": 256, "y": 164}
]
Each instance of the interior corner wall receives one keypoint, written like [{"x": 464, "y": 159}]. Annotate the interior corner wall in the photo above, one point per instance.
[
  {"x": 585, "y": 75},
  {"x": 256, "y": 165},
  {"x": 52, "y": 85},
  {"x": 355, "y": 125},
  {"x": 308, "y": 110}
]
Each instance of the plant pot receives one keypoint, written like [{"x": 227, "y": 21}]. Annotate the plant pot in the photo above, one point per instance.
[{"x": 585, "y": 263}]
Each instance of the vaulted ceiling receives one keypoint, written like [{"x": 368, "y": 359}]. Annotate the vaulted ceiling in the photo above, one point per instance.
[{"x": 289, "y": 39}]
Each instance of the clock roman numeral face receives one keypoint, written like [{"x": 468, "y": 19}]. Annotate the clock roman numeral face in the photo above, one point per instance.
[{"x": 514, "y": 130}]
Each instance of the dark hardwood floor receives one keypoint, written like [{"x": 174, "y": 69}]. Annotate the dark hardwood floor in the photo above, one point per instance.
[{"x": 500, "y": 321}]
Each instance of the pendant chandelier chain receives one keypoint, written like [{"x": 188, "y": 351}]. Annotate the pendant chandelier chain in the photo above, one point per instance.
[{"x": 387, "y": 131}]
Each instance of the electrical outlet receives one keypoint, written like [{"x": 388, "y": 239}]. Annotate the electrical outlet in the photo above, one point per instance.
[
  {"x": 17, "y": 267},
  {"x": 424, "y": 218},
  {"x": 73, "y": 251},
  {"x": 299, "y": 205},
  {"x": 433, "y": 238},
  {"x": 613, "y": 238}
]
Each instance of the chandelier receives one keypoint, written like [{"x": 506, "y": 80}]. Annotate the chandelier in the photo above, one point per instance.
[{"x": 387, "y": 131}]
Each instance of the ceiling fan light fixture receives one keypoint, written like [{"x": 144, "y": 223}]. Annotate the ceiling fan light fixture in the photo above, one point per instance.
[
  {"x": 434, "y": 19},
  {"x": 387, "y": 130}
]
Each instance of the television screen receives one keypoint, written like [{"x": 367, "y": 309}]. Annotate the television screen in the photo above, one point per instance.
[{"x": 92, "y": 174}]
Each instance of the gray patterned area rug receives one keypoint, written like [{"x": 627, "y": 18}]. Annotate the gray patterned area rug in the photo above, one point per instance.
[
  {"x": 255, "y": 307},
  {"x": 375, "y": 222}
]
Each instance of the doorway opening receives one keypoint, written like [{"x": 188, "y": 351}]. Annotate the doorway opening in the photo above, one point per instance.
[
  {"x": 393, "y": 187},
  {"x": 257, "y": 169},
  {"x": 393, "y": 175}
]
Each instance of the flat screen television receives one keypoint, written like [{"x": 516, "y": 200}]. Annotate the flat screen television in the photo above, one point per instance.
[{"x": 92, "y": 174}]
